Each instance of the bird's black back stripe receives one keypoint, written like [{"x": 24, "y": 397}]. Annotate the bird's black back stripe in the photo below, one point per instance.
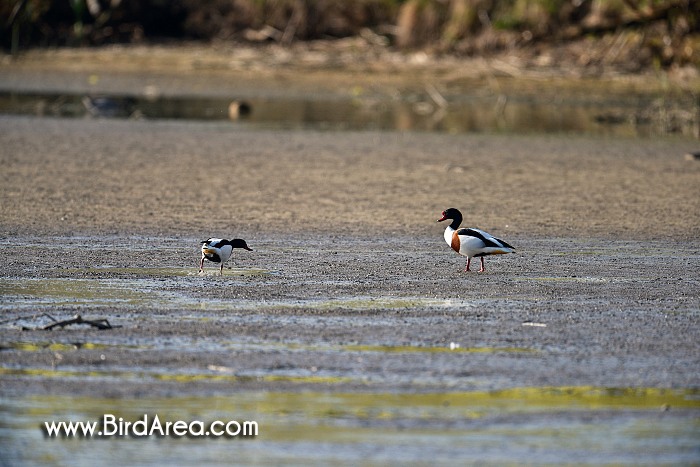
[
  {"x": 506, "y": 244},
  {"x": 487, "y": 241}
]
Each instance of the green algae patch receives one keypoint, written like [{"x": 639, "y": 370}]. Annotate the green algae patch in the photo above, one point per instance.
[
  {"x": 472, "y": 403},
  {"x": 54, "y": 346},
  {"x": 503, "y": 427},
  {"x": 145, "y": 287},
  {"x": 592, "y": 397},
  {"x": 70, "y": 291},
  {"x": 480, "y": 403},
  {"x": 387, "y": 406},
  {"x": 175, "y": 377}
]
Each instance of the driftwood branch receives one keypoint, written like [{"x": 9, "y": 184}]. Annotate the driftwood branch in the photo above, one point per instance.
[{"x": 77, "y": 319}]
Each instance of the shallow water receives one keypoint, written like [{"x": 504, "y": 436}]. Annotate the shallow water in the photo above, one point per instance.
[
  {"x": 628, "y": 116},
  {"x": 579, "y": 425},
  {"x": 143, "y": 287}
]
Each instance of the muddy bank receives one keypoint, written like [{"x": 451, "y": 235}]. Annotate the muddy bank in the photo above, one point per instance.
[
  {"x": 350, "y": 285},
  {"x": 349, "y": 314},
  {"x": 350, "y": 331},
  {"x": 176, "y": 179}
]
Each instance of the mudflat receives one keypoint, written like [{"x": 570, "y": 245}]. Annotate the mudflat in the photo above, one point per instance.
[
  {"x": 347, "y": 250},
  {"x": 350, "y": 288}
]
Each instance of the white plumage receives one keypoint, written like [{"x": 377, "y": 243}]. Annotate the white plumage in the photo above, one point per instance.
[
  {"x": 219, "y": 250},
  {"x": 471, "y": 242}
]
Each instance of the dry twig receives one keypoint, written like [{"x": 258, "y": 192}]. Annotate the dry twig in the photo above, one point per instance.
[{"x": 77, "y": 319}]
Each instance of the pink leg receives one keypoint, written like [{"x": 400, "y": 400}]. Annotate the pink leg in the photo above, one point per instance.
[
  {"x": 469, "y": 260},
  {"x": 221, "y": 269},
  {"x": 201, "y": 265},
  {"x": 482, "y": 265}
]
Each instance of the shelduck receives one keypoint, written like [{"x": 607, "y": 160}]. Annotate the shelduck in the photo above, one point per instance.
[
  {"x": 218, "y": 250},
  {"x": 471, "y": 242}
]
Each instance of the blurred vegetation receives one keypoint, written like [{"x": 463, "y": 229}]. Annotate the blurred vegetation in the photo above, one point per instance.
[{"x": 659, "y": 33}]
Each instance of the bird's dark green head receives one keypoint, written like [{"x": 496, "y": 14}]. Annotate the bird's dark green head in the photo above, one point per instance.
[
  {"x": 451, "y": 213},
  {"x": 240, "y": 243}
]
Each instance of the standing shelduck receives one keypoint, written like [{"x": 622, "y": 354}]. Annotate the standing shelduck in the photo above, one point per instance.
[
  {"x": 218, "y": 250},
  {"x": 471, "y": 242}
]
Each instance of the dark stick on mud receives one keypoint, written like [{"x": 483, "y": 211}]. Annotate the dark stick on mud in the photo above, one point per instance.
[{"x": 77, "y": 319}]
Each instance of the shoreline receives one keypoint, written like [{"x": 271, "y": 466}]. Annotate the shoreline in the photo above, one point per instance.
[{"x": 201, "y": 70}]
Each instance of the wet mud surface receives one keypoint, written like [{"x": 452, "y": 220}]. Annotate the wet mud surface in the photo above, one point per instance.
[
  {"x": 350, "y": 331},
  {"x": 350, "y": 314},
  {"x": 349, "y": 351}
]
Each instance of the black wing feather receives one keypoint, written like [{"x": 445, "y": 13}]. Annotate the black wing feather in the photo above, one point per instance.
[
  {"x": 507, "y": 245},
  {"x": 487, "y": 241},
  {"x": 218, "y": 244}
]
